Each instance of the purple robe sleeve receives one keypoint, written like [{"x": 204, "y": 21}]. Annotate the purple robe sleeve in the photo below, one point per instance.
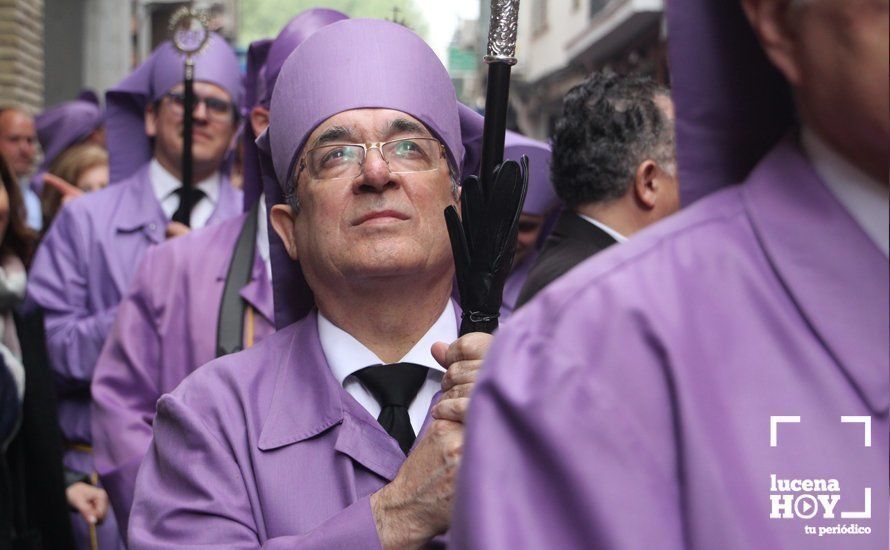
[
  {"x": 553, "y": 458},
  {"x": 125, "y": 390},
  {"x": 60, "y": 284},
  {"x": 191, "y": 492}
]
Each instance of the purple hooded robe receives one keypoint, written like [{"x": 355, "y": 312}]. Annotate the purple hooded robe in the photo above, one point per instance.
[
  {"x": 161, "y": 333},
  {"x": 90, "y": 254},
  {"x": 663, "y": 393},
  {"x": 265, "y": 448},
  {"x": 61, "y": 127}
]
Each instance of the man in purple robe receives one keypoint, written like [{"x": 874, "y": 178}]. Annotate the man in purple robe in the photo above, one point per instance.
[
  {"x": 63, "y": 126},
  {"x": 720, "y": 381},
  {"x": 164, "y": 329},
  {"x": 88, "y": 258},
  {"x": 301, "y": 440}
]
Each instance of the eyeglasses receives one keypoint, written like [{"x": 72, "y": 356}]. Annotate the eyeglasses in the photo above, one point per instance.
[
  {"x": 218, "y": 110},
  {"x": 346, "y": 160}
]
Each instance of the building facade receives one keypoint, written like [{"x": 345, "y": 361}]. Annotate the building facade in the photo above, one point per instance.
[
  {"x": 560, "y": 42},
  {"x": 21, "y": 54},
  {"x": 92, "y": 44}
]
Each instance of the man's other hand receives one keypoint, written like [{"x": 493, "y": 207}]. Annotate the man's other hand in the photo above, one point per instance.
[{"x": 90, "y": 501}]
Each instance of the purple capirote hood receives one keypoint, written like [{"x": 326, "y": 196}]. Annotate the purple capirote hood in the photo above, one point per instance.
[
  {"x": 62, "y": 126},
  {"x": 292, "y": 35},
  {"x": 264, "y": 60},
  {"x": 731, "y": 104},
  {"x": 128, "y": 145},
  {"x": 540, "y": 198}
]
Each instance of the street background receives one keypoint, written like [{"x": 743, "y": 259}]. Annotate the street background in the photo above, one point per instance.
[{"x": 51, "y": 50}]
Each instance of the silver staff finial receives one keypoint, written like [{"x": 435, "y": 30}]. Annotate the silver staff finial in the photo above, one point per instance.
[{"x": 502, "y": 32}]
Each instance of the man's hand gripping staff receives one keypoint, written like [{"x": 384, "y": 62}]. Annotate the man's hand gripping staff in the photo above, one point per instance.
[{"x": 483, "y": 240}]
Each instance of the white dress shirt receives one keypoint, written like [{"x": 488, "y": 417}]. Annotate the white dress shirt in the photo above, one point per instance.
[
  {"x": 165, "y": 185},
  {"x": 866, "y": 199},
  {"x": 262, "y": 236},
  {"x": 611, "y": 232},
  {"x": 346, "y": 355},
  {"x": 33, "y": 212}
]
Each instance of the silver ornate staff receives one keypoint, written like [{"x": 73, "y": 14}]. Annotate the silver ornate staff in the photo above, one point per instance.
[
  {"x": 191, "y": 33},
  {"x": 483, "y": 237},
  {"x": 501, "y": 50}
]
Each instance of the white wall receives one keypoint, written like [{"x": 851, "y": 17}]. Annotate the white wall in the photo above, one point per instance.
[
  {"x": 545, "y": 52},
  {"x": 107, "y": 46}
]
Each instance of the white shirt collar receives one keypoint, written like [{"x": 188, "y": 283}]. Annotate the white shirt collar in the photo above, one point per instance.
[
  {"x": 867, "y": 200},
  {"x": 611, "y": 232},
  {"x": 165, "y": 184},
  {"x": 347, "y": 355},
  {"x": 262, "y": 236}
]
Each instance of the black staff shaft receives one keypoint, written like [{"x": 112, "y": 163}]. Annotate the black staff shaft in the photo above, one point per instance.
[
  {"x": 497, "y": 98},
  {"x": 188, "y": 123}
]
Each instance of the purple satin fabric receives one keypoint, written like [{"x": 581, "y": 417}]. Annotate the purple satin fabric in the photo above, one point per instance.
[
  {"x": 62, "y": 126},
  {"x": 731, "y": 104},
  {"x": 250, "y": 165},
  {"x": 540, "y": 198},
  {"x": 629, "y": 404},
  {"x": 264, "y": 61},
  {"x": 163, "y": 331},
  {"x": 300, "y": 460},
  {"x": 292, "y": 35}
]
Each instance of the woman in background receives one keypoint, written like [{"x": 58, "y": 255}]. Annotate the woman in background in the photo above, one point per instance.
[
  {"x": 16, "y": 246},
  {"x": 36, "y": 491},
  {"x": 80, "y": 169}
]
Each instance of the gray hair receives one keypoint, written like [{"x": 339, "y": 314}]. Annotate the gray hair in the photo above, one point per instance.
[{"x": 609, "y": 125}]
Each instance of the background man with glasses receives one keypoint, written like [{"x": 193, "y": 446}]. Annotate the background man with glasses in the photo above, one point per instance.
[
  {"x": 88, "y": 258},
  {"x": 327, "y": 434}
]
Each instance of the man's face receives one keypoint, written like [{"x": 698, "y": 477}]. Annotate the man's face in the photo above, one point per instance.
[
  {"x": 530, "y": 226},
  {"x": 212, "y": 132},
  {"x": 842, "y": 55},
  {"x": 380, "y": 223},
  {"x": 834, "y": 53},
  {"x": 18, "y": 141}
]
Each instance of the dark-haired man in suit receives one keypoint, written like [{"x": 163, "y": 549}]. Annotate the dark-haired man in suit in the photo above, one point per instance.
[{"x": 613, "y": 166}]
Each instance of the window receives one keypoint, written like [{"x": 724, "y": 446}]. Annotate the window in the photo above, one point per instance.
[
  {"x": 539, "y": 16},
  {"x": 596, "y": 6}
]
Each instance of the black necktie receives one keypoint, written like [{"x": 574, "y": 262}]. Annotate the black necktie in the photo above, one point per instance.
[
  {"x": 188, "y": 198},
  {"x": 395, "y": 386}
]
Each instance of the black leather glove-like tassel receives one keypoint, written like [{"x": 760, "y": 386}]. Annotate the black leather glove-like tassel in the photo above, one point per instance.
[{"x": 483, "y": 240}]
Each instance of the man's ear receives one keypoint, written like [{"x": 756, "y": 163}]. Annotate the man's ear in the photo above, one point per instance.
[
  {"x": 645, "y": 184},
  {"x": 773, "y": 24},
  {"x": 259, "y": 120},
  {"x": 151, "y": 122},
  {"x": 282, "y": 218}
]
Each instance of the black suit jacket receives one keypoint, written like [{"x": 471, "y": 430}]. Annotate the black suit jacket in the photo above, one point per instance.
[
  {"x": 33, "y": 508},
  {"x": 572, "y": 241}
]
